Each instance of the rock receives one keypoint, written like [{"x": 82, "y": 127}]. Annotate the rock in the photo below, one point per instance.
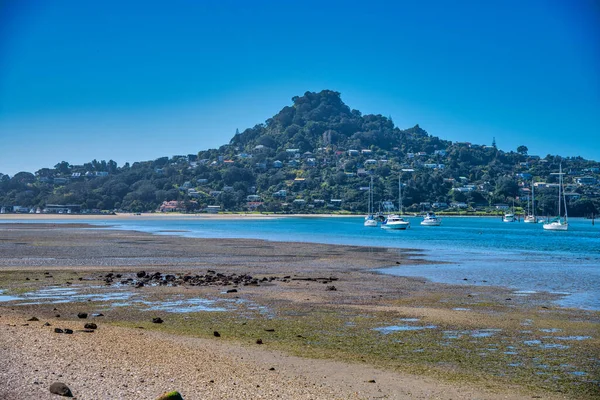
[
  {"x": 332, "y": 288},
  {"x": 82, "y": 315},
  {"x": 232, "y": 291},
  {"x": 259, "y": 341},
  {"x": 217, "y": 334},
  {"x": 58, "y": 330},
  {"x": 157, "y": 320},
  {"x": 371, "y": 381},
  {"x": 33, "y": 319},
  {"x": 60, "y": 389},
  {"x": 68, "y": 331},
  {"x": 47, "y": 324},
  {"x": 270, "y": 330},
  {"x": 98, "y": 315},
  {"x": 57, "y": 315},
  {"x": 171, "y": 396},
  {"x": 272, "y": 369},
  {"x": 141, "y": 274},
  {"x": 90, "y": 325}
]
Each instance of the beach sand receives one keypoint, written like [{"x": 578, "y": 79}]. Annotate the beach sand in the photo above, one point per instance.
[{"x": 314, "y": 309}]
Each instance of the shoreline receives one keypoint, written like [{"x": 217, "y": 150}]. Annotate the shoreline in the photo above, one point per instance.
[
  {"x": 335, "y": 332},
  {"x": 220, "y": 216}
]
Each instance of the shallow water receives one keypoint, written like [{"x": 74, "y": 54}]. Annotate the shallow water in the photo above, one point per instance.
[
  {"x": 115, "y": 297},
  {"x": 485, "y": 251}
]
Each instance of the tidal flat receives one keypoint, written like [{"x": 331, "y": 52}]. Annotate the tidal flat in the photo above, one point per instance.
[{"x": 316, "y": 302}]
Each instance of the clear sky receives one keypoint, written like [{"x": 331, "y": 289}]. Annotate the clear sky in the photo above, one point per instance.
[{"x": 137, "y": 80}]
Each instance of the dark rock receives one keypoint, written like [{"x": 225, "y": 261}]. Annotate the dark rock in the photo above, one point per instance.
[
  {"x": 90, "y": 325},
  {"x": 33, "y": 319},
  {"x": 82, "y": 315},
  {"x": 232, "y": 291},
  {"x": 47, "y": 324},
  {"x": 58, "y": 330},
  {"x": 57, "y": 315},
  {"x": 68, "y": 331},
  {"x": 269, "y": 330},
  {"x": 216, "y": 334},
  {"x": 371, "y": 381},
  {"x": 60, "y": 389},
  {"x": 170, "y": 396},
  {"x": 157, "y": 320},
  {"x": 331, "y": 288},
  {"x": 259, "y": 341},
  {"x": 272, "y": 369},
  {"x": 26, "y": 279}
]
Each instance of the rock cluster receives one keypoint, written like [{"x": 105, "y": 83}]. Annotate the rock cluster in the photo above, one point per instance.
[{"x": 211, "y": 278}]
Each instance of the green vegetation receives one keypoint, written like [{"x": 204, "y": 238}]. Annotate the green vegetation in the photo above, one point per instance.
[{"x": 315, "y": 156}]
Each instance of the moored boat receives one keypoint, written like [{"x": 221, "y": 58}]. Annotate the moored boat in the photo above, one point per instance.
[
  {"x": 558, "y": 223},
  {"x": 395, "y": 221},
  {"x": 431, "y": 219},
  {"x": 370, "y": 220}
]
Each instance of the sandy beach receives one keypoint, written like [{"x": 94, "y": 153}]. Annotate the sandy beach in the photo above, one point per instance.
[{"x": 294, "y": 320}]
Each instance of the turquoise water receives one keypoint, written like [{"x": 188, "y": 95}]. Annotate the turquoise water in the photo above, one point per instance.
[{"x": 485, "y": 251}]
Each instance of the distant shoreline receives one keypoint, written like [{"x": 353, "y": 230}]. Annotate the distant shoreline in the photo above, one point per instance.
[{"x": 228, "y": 216}]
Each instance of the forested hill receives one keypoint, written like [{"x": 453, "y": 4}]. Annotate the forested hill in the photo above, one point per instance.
[{"x": 317, "y": 155}]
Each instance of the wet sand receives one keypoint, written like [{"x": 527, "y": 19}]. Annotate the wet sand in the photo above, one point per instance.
[{"x": 316, "y": 318}]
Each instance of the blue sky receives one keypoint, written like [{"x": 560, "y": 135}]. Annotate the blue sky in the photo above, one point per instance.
[{"x": 133, "y": 81}]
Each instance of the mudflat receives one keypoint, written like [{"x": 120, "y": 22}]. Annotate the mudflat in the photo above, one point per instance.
[{"x": 216, "y": 318}]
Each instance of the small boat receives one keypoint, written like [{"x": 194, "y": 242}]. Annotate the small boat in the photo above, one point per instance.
[
  {"x": 395, "y": 221},
  {"x": 431, "y": 219},
  {"x": 370, "y": 220},
  {"x": 559, "y": 224},
  {"x": 530, "y": 218},
  {"x": 509, "y": 217}
]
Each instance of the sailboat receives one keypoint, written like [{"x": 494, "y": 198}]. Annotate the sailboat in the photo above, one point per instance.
[
  {"x": 395, "y": 221},
  {"x": 530, "y": 218},
  {"x": 558, "y": 224},
  {"x": 370, "y": 220}
]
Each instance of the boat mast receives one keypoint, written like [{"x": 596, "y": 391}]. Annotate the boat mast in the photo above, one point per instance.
[
  {"x": 399, "y": 194},
  {"x": 563, "y": 193},
  {"x": 533, "y": 200},
  {"x": 559, "y": 189}
]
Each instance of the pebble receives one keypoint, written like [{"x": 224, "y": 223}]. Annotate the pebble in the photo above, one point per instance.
[{"x": 60, "y": 389}]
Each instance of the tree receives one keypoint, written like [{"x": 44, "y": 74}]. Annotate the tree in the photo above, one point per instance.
[{"x": 522, "y": 150}]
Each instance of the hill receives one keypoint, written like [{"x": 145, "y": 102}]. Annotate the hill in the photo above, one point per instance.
[{"x": 316, "y": 155}]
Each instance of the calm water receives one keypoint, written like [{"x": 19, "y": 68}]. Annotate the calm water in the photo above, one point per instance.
[{"x": 516, "y": 255}]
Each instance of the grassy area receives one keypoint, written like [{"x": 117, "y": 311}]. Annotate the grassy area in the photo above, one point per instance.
[
  {"x": 482, "y": 342},
  {"x": 493, "y": 354}
]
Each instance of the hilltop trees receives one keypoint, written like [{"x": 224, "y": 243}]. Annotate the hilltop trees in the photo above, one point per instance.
[{"x": 311, "y": 152}]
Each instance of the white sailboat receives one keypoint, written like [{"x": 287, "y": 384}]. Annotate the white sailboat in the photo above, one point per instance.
[
  {"x": 370, "y": 220},
  {"x": 558, "y": 223},
  {"x": 395, "y": 221},
  {"x": 530, "y": 218}
]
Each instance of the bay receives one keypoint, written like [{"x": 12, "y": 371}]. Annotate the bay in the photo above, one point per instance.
[{"x": 485, "y": 251}]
